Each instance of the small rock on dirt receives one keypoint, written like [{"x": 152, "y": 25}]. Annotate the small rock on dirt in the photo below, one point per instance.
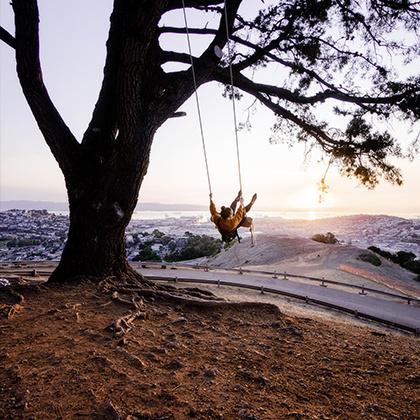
[{"x": 179, "y": 321}]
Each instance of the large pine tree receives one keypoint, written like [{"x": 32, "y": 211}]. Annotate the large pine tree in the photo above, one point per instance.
[{"x": 322, "y": 48}]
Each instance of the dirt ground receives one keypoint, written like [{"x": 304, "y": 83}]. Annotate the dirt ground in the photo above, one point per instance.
[{"x": 58, "y": 360}]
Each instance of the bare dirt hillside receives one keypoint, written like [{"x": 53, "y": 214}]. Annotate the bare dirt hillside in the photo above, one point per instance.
[
  {"x": 306, "y": 257},
  {"x": 59, "y": 360}
]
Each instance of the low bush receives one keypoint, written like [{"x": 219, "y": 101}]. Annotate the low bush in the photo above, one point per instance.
[
  {"x": 370, "y": 258},
  {"x": 197, "y": 246},
  {"x": 403, "y": 258},
  {"x": 412, "y": 265},
  {"x": 328, "y": 238},
  {"x": 147, "y": 254}
]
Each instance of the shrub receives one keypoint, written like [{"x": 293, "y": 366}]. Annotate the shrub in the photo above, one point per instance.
[
  {"x": 382, "y": 253},
  {"x": 412, "y": 265},
  {"x": 403, "y": 258},
  {"x": 197, "y": 246},
  {"x": 370, "y": 258},
  {"x": 328, "y": 238},
  {"x": 147, "y": 254},
  {"x": 158, "y": 234}
]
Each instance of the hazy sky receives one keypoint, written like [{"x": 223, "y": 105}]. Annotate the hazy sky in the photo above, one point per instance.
[{"x": 73, "y": 36}]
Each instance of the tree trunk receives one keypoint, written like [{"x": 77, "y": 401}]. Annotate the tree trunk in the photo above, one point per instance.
[
  {"x": 101, "y": 203},
  {"x": 93, "y": 248}
]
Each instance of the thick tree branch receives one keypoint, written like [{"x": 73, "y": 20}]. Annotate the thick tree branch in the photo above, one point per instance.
[
  {"x": 177, "y": 4},
  {"x": 196, "y": 31},
  {"x": 56, "y": 133},
  {"x": 261, "y": 53},
  {"x": 249, "y": 86},
  {"x": 325, "y": 141},
  {"x": 102, "y": 128},
  {"x": 7, "y": 38},
  {"x": 179, "y": 86},
  {"x": 172, "y": 56}
]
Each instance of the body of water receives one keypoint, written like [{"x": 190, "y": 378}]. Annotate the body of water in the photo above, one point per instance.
[{"x": 205, "y": 215}]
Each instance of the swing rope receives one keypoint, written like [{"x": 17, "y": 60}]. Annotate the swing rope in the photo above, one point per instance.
[
  {"x": 196, "y": 97},
  {"x": 233, "y": 97},
  {"x": 198, "y": 102}
]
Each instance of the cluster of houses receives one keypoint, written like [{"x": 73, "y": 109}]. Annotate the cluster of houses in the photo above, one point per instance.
[
  {"x": 40, "y": 235},
  {"x": 31, "y": 235}
]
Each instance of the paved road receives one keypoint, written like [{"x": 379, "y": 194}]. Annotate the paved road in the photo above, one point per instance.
[{"x": 388, "y": 309}]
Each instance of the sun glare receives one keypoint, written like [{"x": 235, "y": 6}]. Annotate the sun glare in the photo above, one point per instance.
[
  {"x": 308, "y": 205},
  {"x": 308, "y": 199}
]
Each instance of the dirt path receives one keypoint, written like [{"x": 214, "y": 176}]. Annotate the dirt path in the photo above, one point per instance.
[{"x": 57, "y": 360}]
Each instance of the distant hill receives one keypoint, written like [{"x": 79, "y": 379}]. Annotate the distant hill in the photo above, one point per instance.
[{"x": 54, "y": 206}]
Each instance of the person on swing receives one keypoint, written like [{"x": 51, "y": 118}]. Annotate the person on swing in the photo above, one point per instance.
[{"x": 229, "y": 219}]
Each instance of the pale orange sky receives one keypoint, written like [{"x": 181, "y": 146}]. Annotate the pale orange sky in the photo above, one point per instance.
[{"x": 72, "y": 53}]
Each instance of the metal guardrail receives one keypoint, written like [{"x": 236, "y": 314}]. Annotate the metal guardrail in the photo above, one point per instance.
[
  {"x": 273, "y": 274},
  {"x": 307, "y": 299},
  {"x": 261, "y": 289},
  {"x": 283, "y": 276}
]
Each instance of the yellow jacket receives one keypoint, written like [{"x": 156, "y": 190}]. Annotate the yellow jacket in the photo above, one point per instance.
[{"x": 226, "y": 225}]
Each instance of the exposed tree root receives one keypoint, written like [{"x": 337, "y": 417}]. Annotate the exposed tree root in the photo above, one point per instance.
[
  {"x": 134, "y": 295},
  {"x": 124, "y": 324},
  {"x": 11, "y": 302}
]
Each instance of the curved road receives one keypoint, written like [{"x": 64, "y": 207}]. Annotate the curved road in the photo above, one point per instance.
[{"x": 392, "y": 311}]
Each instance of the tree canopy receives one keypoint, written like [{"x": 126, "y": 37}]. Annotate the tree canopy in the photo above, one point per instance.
[
  {"x": 330, "y": 51},
  {"x": 335, "y": 52}
]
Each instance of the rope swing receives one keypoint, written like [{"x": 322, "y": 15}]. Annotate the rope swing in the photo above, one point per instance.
[
  {"x": 196, "y": 97},
  {"x": 218, "y": 52},
  {"x": 233, "y": 98}
]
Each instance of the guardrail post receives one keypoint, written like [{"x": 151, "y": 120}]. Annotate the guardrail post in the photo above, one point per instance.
[
  {"x": 356, "y": 313},
  {"x": 306, "y": 299},
  {"x": 275, "y": 275},
  {"x": 417, "y": 332},
  {"x": 206, "y": 268},
  {"x": 408, "y": 301},
  {"x": 363, "y": 290},
  {"x": 262, "y": 290},
  {"x": 323, "y": 283},
  {"x": 176, "y": 280},
  {"x": 285, "y": 276},
  {"x": 218, "y": 283},
  {"x": 34, "y": 273},
  {"x": 240, "y": 271}
]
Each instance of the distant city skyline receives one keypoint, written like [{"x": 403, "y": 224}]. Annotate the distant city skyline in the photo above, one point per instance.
[{"x": 72, "y": 57}]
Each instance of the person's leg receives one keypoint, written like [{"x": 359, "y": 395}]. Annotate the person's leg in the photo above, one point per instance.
[
  {"x": 253, "y": 236},
  {"x": 246, "y": 222},
  {"x": 251, "y": 203},
  {"x": 235, "y": 202}
]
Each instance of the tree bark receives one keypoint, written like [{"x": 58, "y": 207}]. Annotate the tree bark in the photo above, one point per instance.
[
  {"x": 102, "y": 199},
  {"x": 94, "y": 248}
]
